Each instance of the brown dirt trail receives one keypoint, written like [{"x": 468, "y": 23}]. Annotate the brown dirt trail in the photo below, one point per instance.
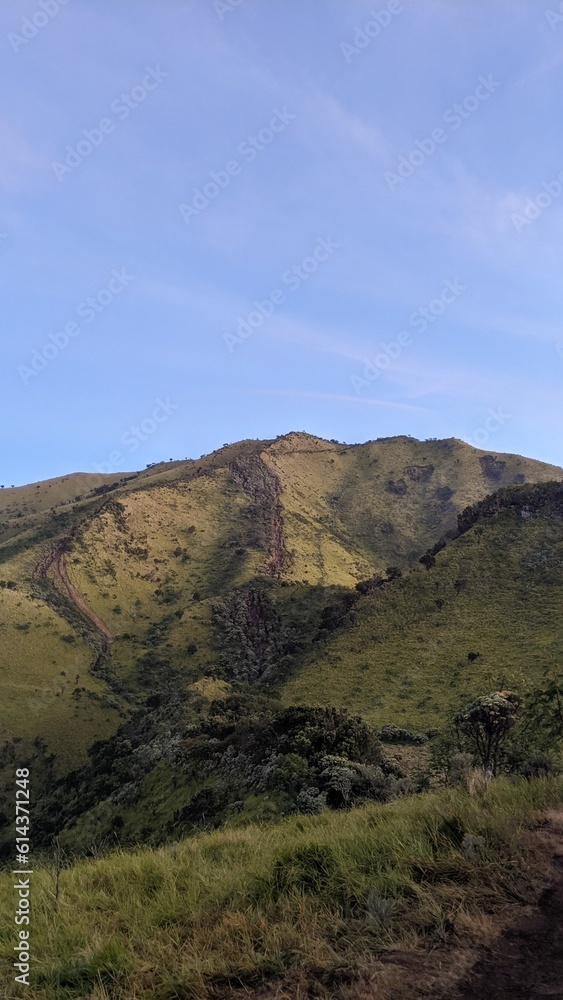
[
  {"x": 526, "y": 963},
  {"x": 53, "y": 566}
]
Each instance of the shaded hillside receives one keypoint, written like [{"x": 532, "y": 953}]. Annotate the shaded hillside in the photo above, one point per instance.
[
  {"x": 347, "y": 509},
  {"x": 485, "y": 614}
]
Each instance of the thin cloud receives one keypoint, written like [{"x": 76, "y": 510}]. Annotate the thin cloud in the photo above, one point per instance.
[
  {"x": 334, "y": 397},
  {"x": 346, "y": 128},
  {"x": 19, "y": 163}
]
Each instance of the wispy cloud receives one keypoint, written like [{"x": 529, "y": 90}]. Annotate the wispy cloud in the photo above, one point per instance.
[
  {"x": 335, "y": 397},
  {"x": 345, "y": 128},
  {"x": 20, "y": 164},
  {"x": 291, "y": 331}
]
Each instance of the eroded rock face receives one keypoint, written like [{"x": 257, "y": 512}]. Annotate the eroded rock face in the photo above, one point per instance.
[{"x": 261, "y": 484}]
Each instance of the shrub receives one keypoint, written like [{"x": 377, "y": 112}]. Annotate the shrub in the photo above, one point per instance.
[
  {"x": 391, "y": 733},
  {"x": 311, "y": 801},
  {"x": 458, "y": 769},
  {"x": 539, "y": 766}
]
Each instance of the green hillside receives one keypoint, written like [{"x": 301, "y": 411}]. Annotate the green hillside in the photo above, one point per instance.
[
  {"x": 175, "y": 599},
  {"x": 101, "y": 574},
  {"x": 486, "y": 615},
  {"x": 234, "y": 745}
]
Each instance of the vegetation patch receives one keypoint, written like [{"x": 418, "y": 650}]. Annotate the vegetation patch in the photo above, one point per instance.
[{"x": 310, "y": 899}]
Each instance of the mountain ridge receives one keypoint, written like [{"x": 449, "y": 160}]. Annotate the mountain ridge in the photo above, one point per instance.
[{"x": 104, "y": 583}]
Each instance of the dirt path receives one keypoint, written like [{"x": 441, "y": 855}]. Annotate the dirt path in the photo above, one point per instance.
[
  {"x": 522, "y": 962},
  {"x": 55, "y": 563},
  {"x": 526, "y": 963}
]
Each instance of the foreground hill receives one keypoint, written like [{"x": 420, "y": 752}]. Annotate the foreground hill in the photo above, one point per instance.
[
  {"x": 396, "y": 901},
  {"x": 108, "y": 583}
]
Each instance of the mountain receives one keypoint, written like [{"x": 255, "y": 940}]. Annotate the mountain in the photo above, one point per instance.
[
  {"x": 406, "y": 892},
  {"x": 108, "y": 582}
]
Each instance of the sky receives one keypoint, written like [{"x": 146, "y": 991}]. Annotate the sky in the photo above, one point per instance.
[{"x": 226, "y": 220}]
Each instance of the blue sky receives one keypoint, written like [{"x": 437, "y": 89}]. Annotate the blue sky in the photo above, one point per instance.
[{"x": 282, "y": 222}]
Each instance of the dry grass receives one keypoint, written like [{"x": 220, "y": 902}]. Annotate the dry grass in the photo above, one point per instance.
[{"x": 340, "y": 901}]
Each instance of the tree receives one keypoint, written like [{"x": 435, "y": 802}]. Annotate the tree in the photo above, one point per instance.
[
  {"x": 252, "y": 636},
  {"x": 486, "y": 723}
]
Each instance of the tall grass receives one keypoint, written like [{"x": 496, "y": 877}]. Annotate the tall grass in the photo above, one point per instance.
[{"x": 310, "y": 894}]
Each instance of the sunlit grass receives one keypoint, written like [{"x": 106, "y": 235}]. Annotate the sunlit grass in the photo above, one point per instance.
[{"x": 309, "y": 893}]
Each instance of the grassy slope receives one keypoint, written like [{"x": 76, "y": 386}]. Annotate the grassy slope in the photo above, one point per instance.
[
  {"x": 496, "y": 591},
  {"x": 37, "y": 660},
  {"x": 47, "y": 688},
  {"x": 348, "y": 511},
  {"x": 341, "y": 523},
  {"x": 37, "y": 690},
  {"x": 302, "y": 900},
  {"x": 51, "y": 494}
]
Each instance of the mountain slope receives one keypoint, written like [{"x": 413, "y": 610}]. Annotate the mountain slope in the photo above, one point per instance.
[
  {"x": 116, "y": 579},
  {"x": 485, "y": 615},
  {"x": 349, "y": 510}
]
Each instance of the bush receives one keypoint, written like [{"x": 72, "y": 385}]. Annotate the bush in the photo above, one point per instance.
[
  {"x": 394, "y": 734},
  {"x": 347, "y": 783},
  {"x": 539, "y": 766},
  {"x": 311, "y": 801},
  {"x": 459, "y": 768}
]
